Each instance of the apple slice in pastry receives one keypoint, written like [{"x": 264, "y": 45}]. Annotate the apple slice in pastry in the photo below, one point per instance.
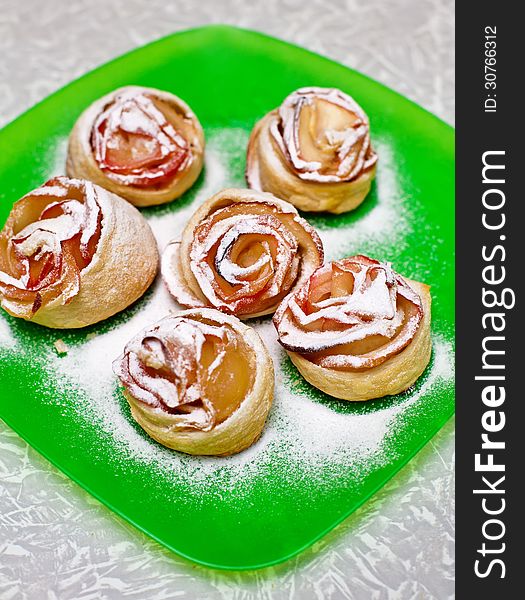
[
  {"x": 314, "y": 151},
  {"x": 73, "y": 254},
  {"x": 144, "y": 144},
  {"x": 241, "y": 252},
  {"x": 357, "y": 330},
  {"x": 198, "y": 381}
]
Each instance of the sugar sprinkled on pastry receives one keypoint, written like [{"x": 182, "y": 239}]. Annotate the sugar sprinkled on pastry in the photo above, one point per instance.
[
  {"x": 357, "y": 330},
  {"x": 198, "y": 381},
  {"x": 73, "y": 254},
  {"x": 314, "y": 151},
  {"x": 141, "y": 143},
  {"x": 241, "y": 252}
]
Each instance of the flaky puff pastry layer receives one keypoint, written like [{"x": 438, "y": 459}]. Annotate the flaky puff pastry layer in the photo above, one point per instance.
[
  {"x": 121, "y": 268},
  {"x": 241, "y": 252},
  {"x": 195, "y": 432},
  {"x": 357, "y": 329},
  {"x": 81, "y": 157},
  {"x": 277, "y": 161},
  {"x": 393, "y": 376}
]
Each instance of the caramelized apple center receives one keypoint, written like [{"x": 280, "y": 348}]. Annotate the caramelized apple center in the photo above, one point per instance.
[
  {"x": 141, "y": 140},
  {"x": 229, "y": 381},
  {"x": 322, "y": 125},
  {"x": 49, "y": 237},
  {"x": 132, "y": 151}
]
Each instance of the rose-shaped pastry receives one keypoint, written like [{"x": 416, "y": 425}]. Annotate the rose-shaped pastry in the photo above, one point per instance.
[
  {"x": 198, "y": 381},
  {"x": 357, "y": 330},
  {"x": 241, "y": 252},
  {"x": 144, "y": 144},
  {"x": 314, "y": 151},
  {"x": 72, "y": 254}
]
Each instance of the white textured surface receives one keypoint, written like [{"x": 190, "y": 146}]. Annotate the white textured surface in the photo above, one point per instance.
[{"x": 56, "y": 542}]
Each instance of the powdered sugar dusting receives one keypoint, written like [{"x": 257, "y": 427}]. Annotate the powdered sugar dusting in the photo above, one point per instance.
[
  {"x": 314, "y": 440},
  {"x": 385, "y": 226},
  {"x": 7, "y": 337},
  {"x": 352, "y": 144},
  {"x": 223, "y": 149},
  {"x": 309, "y": 438},
  {"x": 57, "y": 158}
]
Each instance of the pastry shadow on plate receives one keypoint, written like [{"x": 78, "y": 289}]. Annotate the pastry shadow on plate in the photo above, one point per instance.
[
  {"x": 327, "y": 221},
  {"x": 29, "y": 332},
  {"x": 294, "y": 380},
  {"x": 233, "y": 170},
  {"x": 181, "y": 202},
  {"x": 122, "y": 405}
]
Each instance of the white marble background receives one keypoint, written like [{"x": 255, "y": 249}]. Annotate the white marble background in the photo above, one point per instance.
[{"x": 56, "y": 542}]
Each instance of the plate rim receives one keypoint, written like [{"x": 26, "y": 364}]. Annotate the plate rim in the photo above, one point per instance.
[{"x": 227, "y": 29}]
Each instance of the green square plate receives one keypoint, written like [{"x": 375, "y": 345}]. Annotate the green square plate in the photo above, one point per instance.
[{"x": 319, "y": 458}]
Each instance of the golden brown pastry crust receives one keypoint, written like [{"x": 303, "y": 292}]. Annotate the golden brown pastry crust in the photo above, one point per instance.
[
  {"x": 270, "y": 168},
  {"x": 258, "y": 212},
  {"x": 123, "y": 267},
  {"x": 242, "y": 428},
  {"x": 81, "y": 162},
  {"x": 393, "y": 376},
  {"x": 357, "y": 330}
]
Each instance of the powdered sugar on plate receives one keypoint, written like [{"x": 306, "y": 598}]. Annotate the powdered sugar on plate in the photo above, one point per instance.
[
  {"x": 7, "y": 339},
  {"x": 311, "y": 438},
  {"x": 384, "y": 226},
  {"x": 308, "y": 437},
  {"x": 221, "y": 170}
]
